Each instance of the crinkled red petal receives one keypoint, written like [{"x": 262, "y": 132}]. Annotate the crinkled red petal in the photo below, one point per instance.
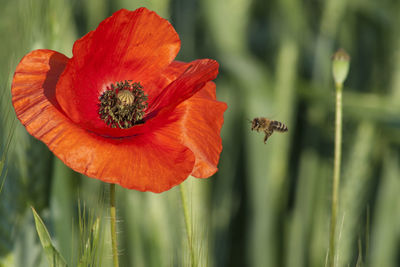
[
  {"x": 129, "y": 45},
  {"x": 165, "y": 78},
  {"x": 152, "y": 162},
  {"x": 195, "y": 76},
  {"x": 199, "y": 123}
]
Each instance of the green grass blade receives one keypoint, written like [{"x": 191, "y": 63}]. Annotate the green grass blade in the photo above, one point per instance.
[
  {"x": 90, "y": 230},
  {"x": 4, "y": 155},
  {"x": 357, "y": 177},
  {"x": 53, "y": 256},
  {"x": 386, "y": 221}
]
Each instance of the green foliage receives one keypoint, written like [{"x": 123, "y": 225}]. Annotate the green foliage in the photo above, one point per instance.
[
  {"x": 3, "y": 155},
  {"x": 53, "y": 256},
  {"x": 91, "y": 237}
]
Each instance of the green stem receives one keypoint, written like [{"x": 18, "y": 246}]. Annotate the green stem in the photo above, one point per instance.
[
  {"x": 113, "y": 225},
  {"x": 336, "y": 174},
  {"x": 188, "y": 224}
]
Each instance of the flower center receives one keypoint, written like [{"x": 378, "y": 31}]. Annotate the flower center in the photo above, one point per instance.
[{"x": 122, "y": 105}]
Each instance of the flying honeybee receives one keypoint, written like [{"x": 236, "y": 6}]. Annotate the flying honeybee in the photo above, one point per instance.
[{"x": 267, "y": 126}]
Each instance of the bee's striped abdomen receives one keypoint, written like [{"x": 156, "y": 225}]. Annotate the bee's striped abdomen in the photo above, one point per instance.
[{"x": 279, "y": 126}]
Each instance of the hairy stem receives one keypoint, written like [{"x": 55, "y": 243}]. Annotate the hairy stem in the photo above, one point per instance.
[{"x": 113, "y": 225}]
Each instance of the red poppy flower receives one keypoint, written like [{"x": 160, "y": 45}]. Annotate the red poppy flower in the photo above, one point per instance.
[{"x": 121, "y": 109}]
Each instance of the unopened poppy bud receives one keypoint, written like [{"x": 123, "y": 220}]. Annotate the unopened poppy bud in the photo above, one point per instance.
[{"x": 340, "y": 66}]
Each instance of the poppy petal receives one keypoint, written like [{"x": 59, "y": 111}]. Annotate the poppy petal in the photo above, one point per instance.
[
  {"x": 153, "y": 162},
  {"x": 199, "y": 125},
  {"x": 165, "y": 78},
  {"x": 37, "y": 71},
  {"x": 129, "y": 45},
  {"x": 196, "y": 75}
]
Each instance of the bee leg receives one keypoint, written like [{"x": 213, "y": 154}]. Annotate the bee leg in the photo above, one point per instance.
[{"x": 267, "y": 134}]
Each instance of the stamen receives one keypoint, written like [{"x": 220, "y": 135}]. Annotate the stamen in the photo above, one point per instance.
[{"x": 123, "y": 105}]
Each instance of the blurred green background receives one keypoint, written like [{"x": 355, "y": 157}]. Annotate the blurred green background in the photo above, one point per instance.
[{"x": 269, "y": 205}]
